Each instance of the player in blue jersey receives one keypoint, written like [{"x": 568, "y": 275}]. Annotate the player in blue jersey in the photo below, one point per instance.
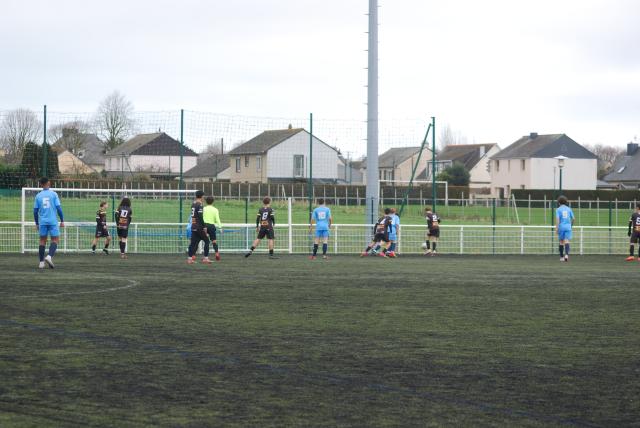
[
  {"x": 46, "y": 211},
  {"x": 393, "y": 232},
  {"x": 321, "y": 216},
  {"x": 564, "y": 222}
]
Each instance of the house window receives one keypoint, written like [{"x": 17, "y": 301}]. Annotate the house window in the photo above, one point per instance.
[
  {"x": 246, "y": 161},
  {"x": 258, "y": 163},
  {"x": 497, "y": 166},
  {"x": 522, "y": 164},
  {"x": 298, "y": 165},
  {"x": 237, "y": 164}
]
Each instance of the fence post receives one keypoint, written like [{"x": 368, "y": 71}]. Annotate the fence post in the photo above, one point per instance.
[
  {"x": 610, "y": 222},
  {"x": 461, "y": 239},
  {"x": 494, "y": 225},
  {"x": 289, "y": 212},
  {"x": 581, "y": 240},
  {"x": 521, "y": 239},
  {"x": 335, "y": 240}
]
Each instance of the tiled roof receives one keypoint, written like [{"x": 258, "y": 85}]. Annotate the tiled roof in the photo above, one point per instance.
[
  {"x": 156, "y": 144},
  {"x": 466, "y": 154},
  {"x": 209, "y": 167},
  {"x": 544, "y": 146},
  {"x": 265, "y": 141}
]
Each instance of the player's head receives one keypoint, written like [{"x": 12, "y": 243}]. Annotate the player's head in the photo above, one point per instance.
[
  {"x": 125, "y": 202},
  {"x": 103, "y": 204},
  {"x": 266, "y": 200},
  {"x": 427, "y": 210},
  {"x": 44, "y": 182},
  {"x": 199, "y": 194},
  {"x": 209, "y": 200},
  {"x": 387, "y": 211},
  {"x": 638, "y": 206},
  {"x": 320, "y": 201},
  {"x": 393, "y": 211},
  {"x": 562, "y": 200}
]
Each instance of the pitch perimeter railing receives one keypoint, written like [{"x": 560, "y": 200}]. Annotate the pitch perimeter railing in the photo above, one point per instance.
[{"x": 170, "y": 238}]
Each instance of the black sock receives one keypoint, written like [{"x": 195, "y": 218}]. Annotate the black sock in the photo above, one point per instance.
[
  {"x": 366, "y": 250},
  {"x": 428, "y": 244},
  {"x": 324, "y": 249},
  {"x": 93, "y": 248},
  {"x": 434, "y": 246},
  {"x": 215, "y": 247},
  {"x": 561, "y": 248},
  {"x": 315, "y": 249},
  {"x": 252, "y": 248},
  {"x": 566, "y": 249},
  {"x": 41, "y": 252},
  {"x": 631, "y": 248},
  {"x": 106, "y": 245},
  {"x": 123, "y": 245},
  {"x": 271, "y": 252}
]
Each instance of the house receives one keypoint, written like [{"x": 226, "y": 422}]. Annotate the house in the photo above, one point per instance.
[
  {"x": 155, "y": 154},
  {"x": 626, "y": 171},
  {"x": 83, "y": 155},
  {"x": 474, "y": 157},
  {"x": 396, "y": 164},
  {"x": 349, "y": 172},
  {"x": 532, "y": 163},
  {"x": 212, "y": 168},
  {"x": 283, "y": 155}
]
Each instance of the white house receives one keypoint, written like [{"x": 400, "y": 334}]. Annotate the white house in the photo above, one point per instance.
[
  {"x": 86, "y": 157},
  {"x": 283, "y": 155},
  {"x": 155, "y": 154},
  {"x": 396, "y": 164},
  {"x": 212, "y": 168},
  {"x": 531, "y": 163}
]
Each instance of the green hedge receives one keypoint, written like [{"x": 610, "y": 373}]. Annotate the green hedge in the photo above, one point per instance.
[{"x": 603, "y": 195}]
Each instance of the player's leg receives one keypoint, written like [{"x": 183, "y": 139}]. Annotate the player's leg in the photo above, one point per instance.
[
  {"x": 205, "y": 239},
  {"x": 561, "y": 244},
  {"x": 107, "y": 241},
  {"x": 325, "y": 244},
  {"x": 42, "y": 245},
  {"x": 316, "y": 244},
  {"x": 434, "y": 243},
  {"x": 427, "y": 242},
  {"x": 369, "y": 247},
  {"x": 271, "y": 242},
  {"x": 94, "y": 243},
  {"x": 214, "y": 242},
  {"x": 261, "y": 234},
  {"x": 567, "y": 245},
  {"x": 193, "y": 247},
  {"x": 54, "y": 232},
  {"x": 632, "y": 242}
]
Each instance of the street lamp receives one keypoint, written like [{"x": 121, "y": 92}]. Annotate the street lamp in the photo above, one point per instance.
[{"x": 560, "y": 160}]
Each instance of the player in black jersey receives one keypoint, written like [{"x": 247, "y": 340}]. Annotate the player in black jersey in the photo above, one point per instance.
[
  {"x": 634, "y": 233},
  {"x": 124, "y": 214},
  {"x": 265, "y": 221},
  {"x": 433, "y": 232},
  {"x": 380, "y": 234},
  {"x": 102, "y": 231},
  {"x": 198, "y": 230}
]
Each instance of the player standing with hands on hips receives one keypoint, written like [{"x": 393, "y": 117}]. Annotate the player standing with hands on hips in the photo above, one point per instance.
[
  {"x": 321, "y": 216},
  {"x": 45, "y": 208},
  {"x": 564, "y": 222}
]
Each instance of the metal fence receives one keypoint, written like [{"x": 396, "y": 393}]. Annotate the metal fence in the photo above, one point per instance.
[{"x": 170, "y": 238}]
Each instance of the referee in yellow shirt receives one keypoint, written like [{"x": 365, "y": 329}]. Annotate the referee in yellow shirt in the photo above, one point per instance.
[{"x": 211, "y": 218}]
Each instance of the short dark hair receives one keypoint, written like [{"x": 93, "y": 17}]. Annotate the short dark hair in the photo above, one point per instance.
[
  {"x": 209, "y": 200},
  {"x": 638, "y": 206},
  {"x": 125, "y": 202},
  {"x": 321, "y": 201},
  {"x": 43, "y": 181},
  {"x": 266, "y": 200},
  {"x": 427, "y": 209},
  {"x": 562, "y": 200},
  {"x": 199, "y": 194},
  {"x": 393, "y": 210},
  {"x": 387, "y": 210},
  {"x": 103, "y": 203}
]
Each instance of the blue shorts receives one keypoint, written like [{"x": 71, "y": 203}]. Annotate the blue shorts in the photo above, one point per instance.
[
  {"x": 393, "y": 237},
  {"x": 322, "y": 233},
  {"x": 564, "y": 234},
  {"x": 49, "y": 229}
]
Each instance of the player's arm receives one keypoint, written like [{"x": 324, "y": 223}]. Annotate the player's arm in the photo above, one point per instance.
[
  {"x": 630, "y": 225},
  {"x": 216, "y": 219},
  {"x": 59, "y": 210},
  {"x": 272, "y": 216}
]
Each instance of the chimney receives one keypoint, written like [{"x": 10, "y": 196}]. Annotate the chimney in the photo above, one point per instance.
[
  {"x": 632, "y": 148},
  {"x": 533, "y": 135}
]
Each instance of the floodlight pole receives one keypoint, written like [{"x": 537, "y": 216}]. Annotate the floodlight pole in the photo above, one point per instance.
[
  {"x": 433, "y": 162},
  {"x": 373, "y": 185},
  {"x": 45, "y": 153}
]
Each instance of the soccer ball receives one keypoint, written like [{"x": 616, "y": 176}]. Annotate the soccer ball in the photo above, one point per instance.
[{"x": 424, "y": 245}]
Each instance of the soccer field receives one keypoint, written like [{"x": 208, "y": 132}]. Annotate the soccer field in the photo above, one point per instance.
[{"x": 415, "y": 341}]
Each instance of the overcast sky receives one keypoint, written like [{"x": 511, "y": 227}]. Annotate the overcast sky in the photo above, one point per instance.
[{"x": 493, "y": 70}]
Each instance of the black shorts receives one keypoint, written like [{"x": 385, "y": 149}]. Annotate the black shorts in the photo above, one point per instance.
[
  {"x": 211, "y": 230},
  {"x": 266, "y": 231},
  {"x": 199, "y": 235},
  {"x": 123, "y": 233},
  {"x": 102, "y": 232},
  {"x": 635, "y": 237},
  {"x": 381, "y": 237},
  {"x": 434, "y": 233}
]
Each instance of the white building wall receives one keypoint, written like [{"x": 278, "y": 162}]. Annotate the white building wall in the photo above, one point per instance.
[
  {"x": 480, "y": 175},
  {"x": 280, "y": 158},
  {"x": 150, "y": 163}
]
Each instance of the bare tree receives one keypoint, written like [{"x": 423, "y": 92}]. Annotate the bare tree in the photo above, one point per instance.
[
  {"x": 214, "y": 148},
  {"x": 115, "y": 120},
  {"x": 69, "y": 136},
  {"x": 607, "y": 157},
  {"x": 19, "y": 127},
  {"x": 449, "y": 137}
]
